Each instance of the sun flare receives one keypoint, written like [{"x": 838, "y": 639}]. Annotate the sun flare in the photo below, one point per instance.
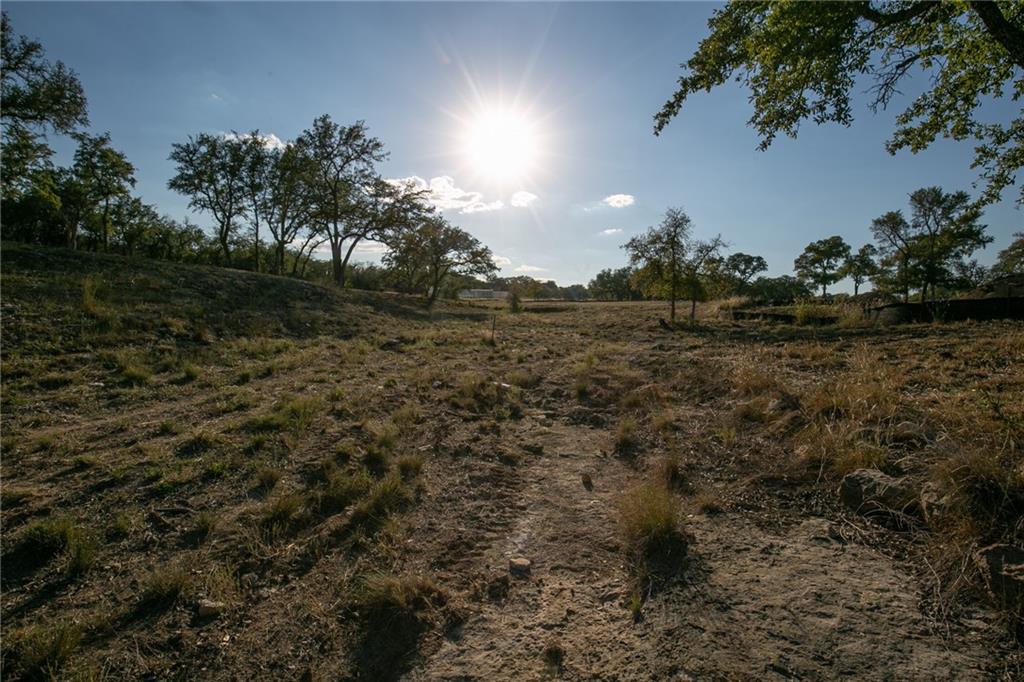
[{"x": 501, "y": 144}]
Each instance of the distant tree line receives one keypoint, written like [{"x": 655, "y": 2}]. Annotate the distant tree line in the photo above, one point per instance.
[{"x": 273, "y": 204}]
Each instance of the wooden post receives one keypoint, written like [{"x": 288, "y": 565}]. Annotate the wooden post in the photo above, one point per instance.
[{"x": 494, "y": 323}]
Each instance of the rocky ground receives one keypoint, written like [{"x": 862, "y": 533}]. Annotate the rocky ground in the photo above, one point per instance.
[{"x": 357, "y": 488}]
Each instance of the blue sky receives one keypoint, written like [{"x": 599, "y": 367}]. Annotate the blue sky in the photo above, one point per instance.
[{"x": 585, "y": 79}]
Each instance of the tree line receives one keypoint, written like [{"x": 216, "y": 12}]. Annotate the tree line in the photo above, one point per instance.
[
  {"x": 273, "y": 204},
  {"x": 927, "y": 254}
]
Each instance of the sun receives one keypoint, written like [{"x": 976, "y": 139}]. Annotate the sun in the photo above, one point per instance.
[{"x": 501, "y": 145}]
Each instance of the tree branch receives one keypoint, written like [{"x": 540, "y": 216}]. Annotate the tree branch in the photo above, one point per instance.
[{"x": 1010, "y": 36}]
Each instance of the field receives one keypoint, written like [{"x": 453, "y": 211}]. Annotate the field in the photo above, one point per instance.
[{"x": 211, "y": 474}]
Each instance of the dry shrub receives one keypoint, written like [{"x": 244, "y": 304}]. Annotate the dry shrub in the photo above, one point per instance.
[
  {"x": 868, "y": 392},
  {"x": 750, "y": 378},
  {"x": 651, "y": 533},
  {"x": 626, "y": 439},
  {"x": 837, "y": 448}
]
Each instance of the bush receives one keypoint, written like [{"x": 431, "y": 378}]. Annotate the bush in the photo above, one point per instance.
[{"x": 650, "y": 528}]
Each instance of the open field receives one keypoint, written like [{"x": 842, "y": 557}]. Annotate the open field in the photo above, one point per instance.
[{"x": 210, "y": 474}]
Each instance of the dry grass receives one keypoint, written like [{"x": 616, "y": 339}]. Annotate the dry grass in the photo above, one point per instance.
[{"x": 650, "y": 529}]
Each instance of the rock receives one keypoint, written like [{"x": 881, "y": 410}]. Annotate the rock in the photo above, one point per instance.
[
  {"x": 821, "y": 532},
  {"x": 533, "y": 448},
  {"x": 869, "y": 490},
  {"x": 934, "y": 505},
  {"x": 519, "y": 566},
  {"x": 211, "y": 609},
  {"x": 1002, "y": 567},
  {"x": 908, "y": 433},
  {"x": 391, "y": 344},
  {"x": 588, "y": 482}
]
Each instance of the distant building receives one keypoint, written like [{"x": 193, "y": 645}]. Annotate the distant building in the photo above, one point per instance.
[{"x": 482, "y": 293}]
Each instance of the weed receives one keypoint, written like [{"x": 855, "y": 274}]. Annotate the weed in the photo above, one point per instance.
[
  {"x": 168, "y": 428},
  {"x": 267, "y": 477},
  {"x": 44, "y": 539},
  {"x": 163, "y": 586},
  {"x": 81, "y": 553},
  {"x": 200, "y": 442},
  {"x": 203, "y": 526},
  {"x": 38, "y": 651},
  {"x": 410, "y": 466},
  {"x": 394, "y": 595},
  {"x": 708, "y": 502},
  {"x": 625, "y": 436},
  {"x": 650, "y": 527},
  {"x": 190, "y": 372},
  {"x": 387, "y": 495},
  {"x": 295, "y": 414},
  {"x": 341, "y": 490},
  {"x": 284, "y": 511},
  {"x": 523, "y": 378}
]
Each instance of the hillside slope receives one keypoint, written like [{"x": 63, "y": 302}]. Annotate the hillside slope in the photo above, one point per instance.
[{"x": 220, "y": 475}]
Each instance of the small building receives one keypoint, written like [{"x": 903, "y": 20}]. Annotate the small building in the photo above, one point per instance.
[{"x": 482, "y": 293}]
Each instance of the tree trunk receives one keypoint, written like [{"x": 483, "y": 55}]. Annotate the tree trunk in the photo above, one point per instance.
[
  {"x": 224, "y": 246},
  {"x": 106, "y": 226},
  {"x": 855, "y": 287},
  {"x": 672, "y": 308},
  {"x": 693, "y": 309},
  {"x": 337, "y": 270}
]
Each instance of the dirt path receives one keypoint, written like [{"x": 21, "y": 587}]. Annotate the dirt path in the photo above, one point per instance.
[{"x": 751, "y": 604}]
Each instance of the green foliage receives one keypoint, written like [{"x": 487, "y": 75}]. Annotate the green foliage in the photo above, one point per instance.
[
  {"x": 37, "y": 95},
  {"x": 670, "y": 261},
  {"x": 1011, "y": 259},
  {"x": 802, "y": 61},
  {"x": 930, "y": 249},
  {"x": 822, "y": 261},
  {"x": 425, "y": 255},
  {"x": 860, "y": 266}
]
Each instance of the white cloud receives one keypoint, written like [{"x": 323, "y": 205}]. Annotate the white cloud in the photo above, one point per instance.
[
  {"x": 270, "y": 140},
  {"x": 483, "y": 207},
  {"x": 522, "y": 199},
  {"x": 619, "y": 200},
  {"x": 375, "y": 248},
  {"x": 502, "y": 261},
  {"x": 446, "y": 196},
  {"x": 529, "y": 268},
  {"x": 611, "y": 231}
]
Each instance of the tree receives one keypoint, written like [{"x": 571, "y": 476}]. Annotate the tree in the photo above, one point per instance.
[
  {"x": 342, "y": 162},
  {"x": 38, "y": 96},
  {"x": 135, "y": 222},
  {"x": 802, "y": 60},
  {"x": 860, "y": 266},
  {"x": 1011, "y": 259},
  {"x": 257, "y": 166},
  {"x": 613, "y": 285},
  {"x": 439, "y": 250},
  {"x": 778, "y": 290},
  {"x": 946, "y": 229},
  {"x": 821, "y": 262},
  {"x": 210, "y": 172},
  {"x": 670, "y": 260},
  {"x": 742, "y": 267},
  {"x": 895, "y": 244},
  {"x": 287, "y": 202},
  {"x": 107, "y": 176}
]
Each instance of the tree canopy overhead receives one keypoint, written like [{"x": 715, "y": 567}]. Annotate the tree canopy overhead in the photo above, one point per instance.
[{"x": 802, "y": 61}]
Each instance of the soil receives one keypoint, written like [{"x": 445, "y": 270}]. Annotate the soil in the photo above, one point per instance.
[{"x": 522, "y": 458}]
